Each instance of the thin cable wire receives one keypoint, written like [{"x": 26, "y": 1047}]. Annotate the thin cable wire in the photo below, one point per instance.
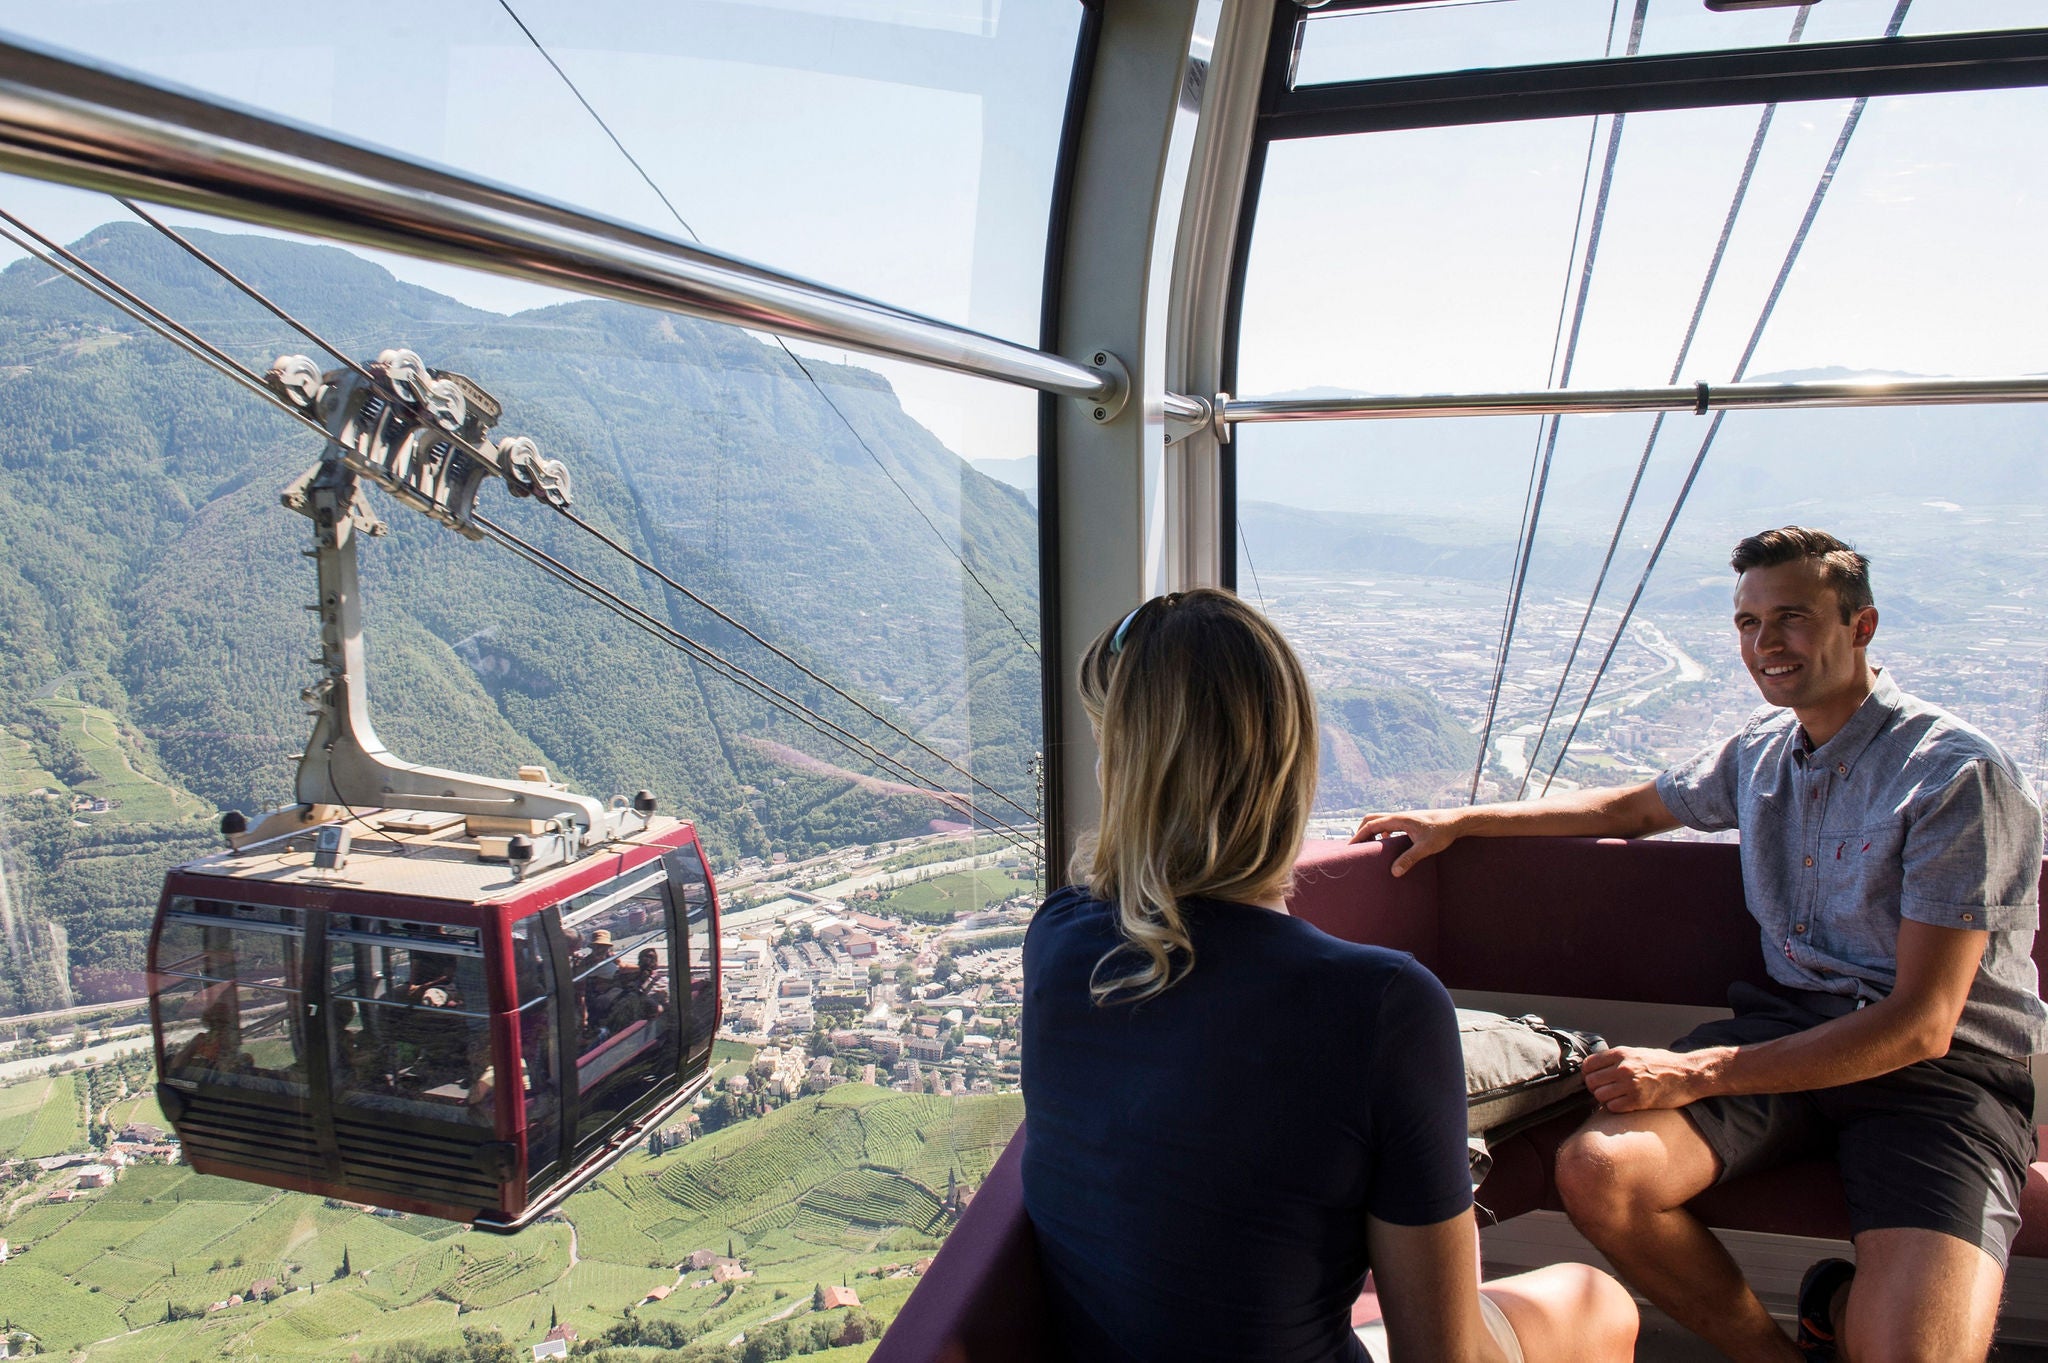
[
  {"x": 1251, "y": 565},
  {"x": 641, "y": 619},
  {"x": 868, "y": 750},
  {"x": 1820, "y": 190},
  {"x": 697, "y": 651},
  {"x": 1571, "y": 349},
  {"x": 1699, "y": 308},
  {"x": 837, "y": 411},
  {"x": 588, "y": 108}
]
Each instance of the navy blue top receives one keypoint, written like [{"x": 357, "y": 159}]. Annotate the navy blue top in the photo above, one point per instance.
[{"x": 1199, "y": 1167}]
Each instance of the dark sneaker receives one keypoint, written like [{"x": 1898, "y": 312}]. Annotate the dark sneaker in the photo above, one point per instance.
[{"x": 1816, "y": 1302}]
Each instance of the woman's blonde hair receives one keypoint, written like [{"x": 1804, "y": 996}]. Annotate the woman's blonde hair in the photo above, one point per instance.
[{"x": 1207, "y": 731}]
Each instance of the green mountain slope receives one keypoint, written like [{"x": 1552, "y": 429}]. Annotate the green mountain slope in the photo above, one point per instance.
[
  {"x": 147, "y": 570},
  {"x": 1388, "y": 746}
]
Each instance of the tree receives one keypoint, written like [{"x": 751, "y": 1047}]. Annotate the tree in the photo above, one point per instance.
[
  {"x": 818, "y": 1297},
  {"x": 342, "y": 1271}
]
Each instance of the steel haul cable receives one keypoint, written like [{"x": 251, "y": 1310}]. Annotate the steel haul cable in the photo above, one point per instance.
[
  {"x": 1525, "y": 548},
  {"x": 1735, "y": 203},
  {"x": 1820, "y": 190}
]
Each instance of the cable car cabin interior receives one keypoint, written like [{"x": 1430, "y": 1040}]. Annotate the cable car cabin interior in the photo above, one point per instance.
[
  {"x": 1522, "y": 293},
  {"x": 419, "y": 1025}
]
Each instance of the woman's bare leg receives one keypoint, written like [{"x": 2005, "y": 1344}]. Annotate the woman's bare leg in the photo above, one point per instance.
[{"x": 1568, "y": 1313}]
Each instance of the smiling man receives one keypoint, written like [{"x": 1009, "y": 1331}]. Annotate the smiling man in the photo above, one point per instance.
[{"x": 1891, "y": 855}]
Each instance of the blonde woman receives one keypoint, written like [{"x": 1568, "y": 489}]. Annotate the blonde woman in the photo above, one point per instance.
[{"x": 1232, "y": 1115}]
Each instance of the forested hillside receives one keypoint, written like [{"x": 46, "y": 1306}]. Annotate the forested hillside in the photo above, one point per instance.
[{"x": 153, "y": 641}]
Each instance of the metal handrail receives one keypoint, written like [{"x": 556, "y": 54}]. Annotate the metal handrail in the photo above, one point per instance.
[
  {"x": 1699, "y": 398},
  {"x": 80, "y": 123}
]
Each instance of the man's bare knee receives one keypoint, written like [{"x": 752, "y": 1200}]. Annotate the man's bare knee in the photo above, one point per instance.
[{"x": 1616, "y": 1169}]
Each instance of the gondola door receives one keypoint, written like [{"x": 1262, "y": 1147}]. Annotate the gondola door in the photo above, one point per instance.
[
  {"x": 621, "y": 1027},
  {"x": 696, "y": 902}
]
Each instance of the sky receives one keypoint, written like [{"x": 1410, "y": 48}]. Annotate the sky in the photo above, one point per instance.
[{"x": 904, "y": 149}]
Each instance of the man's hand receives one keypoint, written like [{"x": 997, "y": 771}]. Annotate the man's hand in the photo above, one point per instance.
[
  {"x": 1429, "y": 832},
  {"x": 1637, "y": 1078},
  {"x": 1604, "y": 812}
]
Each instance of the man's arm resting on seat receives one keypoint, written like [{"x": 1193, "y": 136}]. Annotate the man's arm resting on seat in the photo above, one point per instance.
[
  {"x": 1427, "y": 1278},
  {"x": 1916, "y": 1022},
  {"x": 1608, "y": 812}
]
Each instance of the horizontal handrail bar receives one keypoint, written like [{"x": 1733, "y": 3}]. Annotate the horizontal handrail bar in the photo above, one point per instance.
[
  {"x": 1695, "y": 397},
  {"x": 75, "y": 122}
]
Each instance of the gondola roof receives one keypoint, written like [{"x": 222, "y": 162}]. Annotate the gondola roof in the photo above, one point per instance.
[{"x": 442, "y": 863}]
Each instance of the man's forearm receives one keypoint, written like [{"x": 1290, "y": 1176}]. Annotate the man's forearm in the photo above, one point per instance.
[
  {"x": 1876, "y": 1040},
  {"x": 1608, "y": 812},
  {"x": 1886, "y": 1036}
]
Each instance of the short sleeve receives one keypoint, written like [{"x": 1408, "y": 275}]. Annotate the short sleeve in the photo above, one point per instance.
[
  {"x": 1973, "y": 854},
  {"x": 1701, "y": 791},
  {"x": 1422, "y": 1173}
]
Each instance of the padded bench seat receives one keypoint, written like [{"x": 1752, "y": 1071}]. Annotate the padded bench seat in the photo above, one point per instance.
[{"x": 1638, "y": 922}]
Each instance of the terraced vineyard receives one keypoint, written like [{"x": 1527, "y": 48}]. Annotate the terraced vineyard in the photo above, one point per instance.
[{"x": 825, "y": 1190}]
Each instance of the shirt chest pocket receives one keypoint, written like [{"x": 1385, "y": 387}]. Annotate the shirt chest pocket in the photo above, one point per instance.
[{"x": 1862, "y": 871}]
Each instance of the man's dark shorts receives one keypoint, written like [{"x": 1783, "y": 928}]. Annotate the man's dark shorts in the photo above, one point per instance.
[{"x": 1941, "y": 1145}]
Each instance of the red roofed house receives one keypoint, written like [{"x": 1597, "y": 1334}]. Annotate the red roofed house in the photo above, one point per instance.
[{"x": 840, "y": 1296}]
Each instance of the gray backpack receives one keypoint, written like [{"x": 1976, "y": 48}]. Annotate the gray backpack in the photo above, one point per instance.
[{"x": 1518, "y": 1072}]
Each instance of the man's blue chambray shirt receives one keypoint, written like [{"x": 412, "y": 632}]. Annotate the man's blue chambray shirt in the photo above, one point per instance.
[{"x": 1907, "y": 812}]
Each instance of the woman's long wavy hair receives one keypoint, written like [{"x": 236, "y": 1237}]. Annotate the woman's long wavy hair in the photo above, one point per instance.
[{"x": 1207, "y": 730}]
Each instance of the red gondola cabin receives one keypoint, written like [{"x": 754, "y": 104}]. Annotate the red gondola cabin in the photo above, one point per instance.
[{"x": 421, "y": 1026}]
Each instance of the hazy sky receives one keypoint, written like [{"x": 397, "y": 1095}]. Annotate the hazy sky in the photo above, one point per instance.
[{"x": 904, "y": 149}]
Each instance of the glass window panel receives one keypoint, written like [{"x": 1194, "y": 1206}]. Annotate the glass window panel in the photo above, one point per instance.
[
  {"x": 533, "y": 973},
  {"x": 1467, "y": 282},
  {"x": 692, "y": 889},
  {"x": 236, "y": 1033},
  {"x": 409, "y": 1018},
  {"x": 1428, "y": 38},
  {"x": 1385, "y": 548},
  {"x": 873, "y": 521},
  {"x": 620, "y": 956}
]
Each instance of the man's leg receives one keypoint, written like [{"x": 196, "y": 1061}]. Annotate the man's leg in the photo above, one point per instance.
[
  {"x": 1920, "y": 1296},
  {"x": 1625, "y": 1180}
]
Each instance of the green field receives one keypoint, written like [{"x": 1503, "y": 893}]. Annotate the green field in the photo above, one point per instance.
[
  {"x": 135, "y": 796},
  {"x": 56, "y": 1126},
  {"x": 828, "y": 1189},
  {"x": 944, "y": 898},
  {"x": 19, "y": 773}
]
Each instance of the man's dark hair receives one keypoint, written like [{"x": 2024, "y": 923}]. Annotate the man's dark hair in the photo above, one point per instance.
[{"x": 1841, "y": 567}]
